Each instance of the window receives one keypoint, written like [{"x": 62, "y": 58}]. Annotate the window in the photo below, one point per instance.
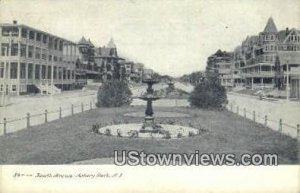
[
  {"x": 38, "y": 37},
  {"x": 69, "y": 74},
  {"x": 37, "y": 72},
  {"x": 59, "y": 72},
  {"x": 50, "y": 57},
  {"x": 30, "y": 71},
  {"x": 60, "y": 46},
  {"x": 44, "y": 54},
  {"x": 55, "y": 44},
  {"x": 30, "y": 51},
  {"x": 64, "y": 73},
  {"x": 2, "y": 70},
  {"x": 1, "y": 88},
  {"x": 23, "y": 50},
  {"x": 44, "y": 39},
  {"x": 14, "y": 88},
  {"x": 31, "y": 35},
  {"x": 54, "y": 72},
  {"x": 13, "y": 70},
  {"x": 55, "y": 58},
  {"x": 43, "y": 72},
  {"x": 23, "y": 71},
  {"x": 37, "y": 53},
  {"x": 49, "y": 72},
  {"x": 5, "y": 31},
  {"x": 24, "y": 33},
  {"x": 50, "y": 45},
  {"x": 15, "y": 32},
  {"x": 4, "y": 49},
  {"x": 14, "y": 49}
]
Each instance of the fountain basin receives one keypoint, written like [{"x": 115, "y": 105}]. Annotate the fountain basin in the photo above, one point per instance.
[{"x": 126, "y": 130}]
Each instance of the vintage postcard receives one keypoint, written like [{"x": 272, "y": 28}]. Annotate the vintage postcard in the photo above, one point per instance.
[{"x": 149, "y": 96}]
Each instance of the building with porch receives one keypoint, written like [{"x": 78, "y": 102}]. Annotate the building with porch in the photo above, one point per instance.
[
  {"x": 35, "y": 61},
  {"x": 107, "y": 59},
  {"x": 259, "y": 59},
  {"x": 221, "y": 63}
]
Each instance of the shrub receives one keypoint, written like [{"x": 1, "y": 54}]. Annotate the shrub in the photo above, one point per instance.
[
  {"x": 167, "y": 135},
  {"x": 179, "y": 135},
  {"x": 107, "y": 132},
  {"x": 209, "y": 94},
  {"x": 114, "y": 94},
  {"x": 191, "y": 134}
]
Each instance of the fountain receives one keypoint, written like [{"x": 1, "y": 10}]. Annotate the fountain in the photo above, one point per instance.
[
  {"x": 148, "y": 129},
  {"x": 149, "y": 126}
]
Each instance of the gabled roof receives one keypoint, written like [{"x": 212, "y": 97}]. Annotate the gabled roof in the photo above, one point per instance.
[
  {"x": 90, "y": 43},
  {"x": 295, "y": 31},
  {"x": 111, "y": 44},
  {"x": 83, "y": 41},
  {"x": 270, "y": 27},
  {"x": 282, "y": 34}
]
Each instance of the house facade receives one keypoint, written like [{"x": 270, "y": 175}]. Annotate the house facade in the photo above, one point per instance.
[
  {"x": 35, "y": 61},
  {"x": 262, "y": 59}
]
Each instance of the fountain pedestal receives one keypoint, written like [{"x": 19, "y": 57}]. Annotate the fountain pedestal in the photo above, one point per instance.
[{"x": 149, "y": 125}]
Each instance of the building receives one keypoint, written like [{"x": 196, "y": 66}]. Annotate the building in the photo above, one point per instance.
[
  {"x": 261, "y": 61},
  {"x": 107, "y": 59},
  {"x": 35, "y": 61},
  {"x": 86, "y": 67},
  {"x": 221, "y": 63}
]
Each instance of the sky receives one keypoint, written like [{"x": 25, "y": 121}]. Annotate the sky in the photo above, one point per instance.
[{"x": 172, "y": 37}]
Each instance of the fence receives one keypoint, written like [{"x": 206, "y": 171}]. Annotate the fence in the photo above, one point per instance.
[
  {"x": 29, "y": 120},
  {"x": 278, "y": 125}
]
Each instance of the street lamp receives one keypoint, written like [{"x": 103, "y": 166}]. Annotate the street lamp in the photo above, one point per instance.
[{"x": 287, "y": 81}]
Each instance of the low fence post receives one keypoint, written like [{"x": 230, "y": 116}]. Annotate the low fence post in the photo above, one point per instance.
[
  {"x": 4, "y": 126},
  {"x": 266, "y": 120},
  {"x": 91, "y": 105},
  {"x": 254, "y": 116},
  {"x": 298, "y": 134},
  {"x": 245, "y": 113},
  {"x": 298, "y": 140},
  {"x": 46, "y": 116},
  {"x": 82, "y": 107},
  {"x": 237, "y": 110},
  {"x": 59, "y": 112},
  {"x": 72, "y": 109},
  {"x": 28, "y": 120},
  {"x": 280, "y": 125}
]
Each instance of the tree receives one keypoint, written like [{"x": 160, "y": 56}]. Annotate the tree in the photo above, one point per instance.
[
  {"x": 114, "y": 93},
  {"x": 209, "y": 94}
]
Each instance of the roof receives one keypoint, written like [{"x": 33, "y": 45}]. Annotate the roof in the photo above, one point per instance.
[
  {"x": 270, "y": 27},
  {"x": 90, "y": 43},
  {"x": 83, "y": 41},
  {"x": 292, "y": 57},
  {"x": 282, "y": 34},
  {"x": 111, "y": 44},
  {"x": 34, "y": 29},
  {"x": 106, "y": 52}
]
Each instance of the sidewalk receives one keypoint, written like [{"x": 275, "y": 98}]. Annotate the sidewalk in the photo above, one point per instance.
[
  {"x": 288, "y": 111},
  {"x": 37, "y": 104}
]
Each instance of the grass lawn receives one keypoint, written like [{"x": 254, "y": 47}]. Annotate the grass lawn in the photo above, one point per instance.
[{"x": 71, "y": 139}]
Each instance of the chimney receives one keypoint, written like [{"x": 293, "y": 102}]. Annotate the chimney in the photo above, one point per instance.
[
  {"x": 15, "y": 22},
  {"x": 286, "y": 31}
]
